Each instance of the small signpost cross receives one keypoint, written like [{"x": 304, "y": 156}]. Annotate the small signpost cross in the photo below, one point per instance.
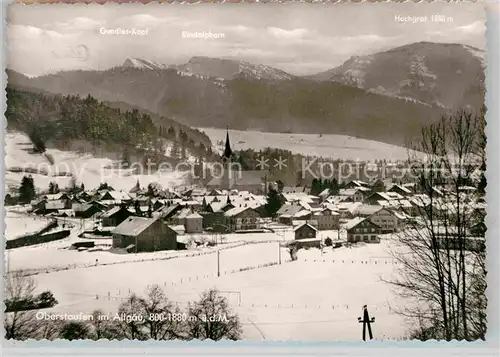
[{"x": 366, "y": 321}]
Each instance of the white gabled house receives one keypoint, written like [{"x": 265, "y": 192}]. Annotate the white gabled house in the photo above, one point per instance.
[
  {"x": 362, "y": 230},
  {"x": 388, "y": 220}
]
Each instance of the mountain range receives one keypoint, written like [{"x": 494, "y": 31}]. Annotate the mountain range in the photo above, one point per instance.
[
  {"x": 386, "y": 96},
  {"x": 230, "y": 69},
  {"x": 444, "y": 75}
]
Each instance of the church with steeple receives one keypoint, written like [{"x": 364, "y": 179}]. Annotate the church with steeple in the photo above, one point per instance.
[{"x": 233, "y": 178}]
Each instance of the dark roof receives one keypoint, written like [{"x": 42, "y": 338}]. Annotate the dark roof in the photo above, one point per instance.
[
  {"x": 111, "y": 212},
  {"x": 81, "y": 207},
  {"x": 166, "y": 211}
]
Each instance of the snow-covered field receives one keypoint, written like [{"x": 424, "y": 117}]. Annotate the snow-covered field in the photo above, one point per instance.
[
  {"x": 326, "y": 145},
  {"x": 89, "y": 170},
  {"x": 136, "y": 276},
  {"x": 317, "y": 297},
  {"x": 17, "y": 225}
]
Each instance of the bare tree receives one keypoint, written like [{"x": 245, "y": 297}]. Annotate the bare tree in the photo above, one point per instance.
[
  {"x": 101, "y": 327},
  {"x": 18, "y": 324},
  {"x": 162, "y": 320},
  {"x": 154, "y": 317},
  {"x": 442, "y": 263},
  {"x": 48, "y": 329},
  {"x": 129, "y": 329},
  {"x": 212, "y": 318}
]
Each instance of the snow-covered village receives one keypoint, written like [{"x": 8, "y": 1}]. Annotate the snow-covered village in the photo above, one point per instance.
[{"x": 128, "y": 222}]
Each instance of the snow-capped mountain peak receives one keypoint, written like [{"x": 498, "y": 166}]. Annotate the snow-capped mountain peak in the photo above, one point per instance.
[
  {"x": 438, "y": 74},
  {"x": 140, "y": 63},
  {"x": 225, "y": 69},
  {"x": 260, "y": 71},
  {"x": 221, "y": 69}
]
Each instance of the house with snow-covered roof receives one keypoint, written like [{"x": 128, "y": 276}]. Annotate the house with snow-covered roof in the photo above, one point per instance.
[
  {"x": 54, "y": 206},
  {"x": 114, "y": 216},
  {"x": 191, "y": 220},
  {"x": 242, "y": 218},
  {"x": 56, "y": 196},
  {"x": 400, "y": 189},
  {"x": 168, "y": 211},
  {"x": 305, "y": 235},
  {"x": 347, "y": 210},
  {"x": 362, "y": 230},
  {"x": 389, "y": 220},
  {"x": 86, "y": 210},
  {"x": 327, "y": 219},
  {"x": 292, "y": 212},
  {"x": 215, "y": 207},
  {"x": 357, "y": 184},
  {"x": 300, "y": 197},
  {"x": 114, "y": 198},
  {"x": 352, "y": 195},
  {"x": 382, "y": 196},
  {"x": 365, "y": 210},
  {"x": 420, "y": 203}
]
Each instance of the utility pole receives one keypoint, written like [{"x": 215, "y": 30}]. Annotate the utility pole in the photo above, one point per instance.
[
  {"x": 279, "y": 252},
  {"x": 218, "y": 262},
  {"x": 366, "y": 321}
]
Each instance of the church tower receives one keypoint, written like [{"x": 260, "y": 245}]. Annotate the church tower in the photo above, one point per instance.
[
  {"x": 227, "y": 176},
  {"x": 228, "y": 153}
]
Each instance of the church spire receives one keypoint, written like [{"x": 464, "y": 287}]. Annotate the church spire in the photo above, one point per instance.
[{"x": 227, "y": 151}]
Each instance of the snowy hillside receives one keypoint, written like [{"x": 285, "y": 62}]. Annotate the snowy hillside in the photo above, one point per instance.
[
  {"x": 17, "y": 225},
  {"x": 87, "y": 169},
  {"x": 327, "y": 145}
]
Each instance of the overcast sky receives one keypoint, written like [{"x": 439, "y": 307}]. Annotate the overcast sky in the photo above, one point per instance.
[{"x": 298, "y": 38}]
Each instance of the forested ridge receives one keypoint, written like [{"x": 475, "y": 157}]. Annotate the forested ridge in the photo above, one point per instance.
[{"x": 62, "y": 120}]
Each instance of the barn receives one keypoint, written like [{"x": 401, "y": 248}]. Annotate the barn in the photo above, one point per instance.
[{"x": 140, "y": 234}]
